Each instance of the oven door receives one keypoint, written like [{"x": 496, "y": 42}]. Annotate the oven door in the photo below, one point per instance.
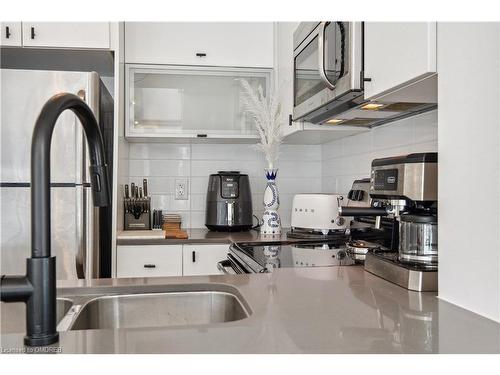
[
  {"x": 231, "y": 266},
  {"x": 326, "y": 65}
]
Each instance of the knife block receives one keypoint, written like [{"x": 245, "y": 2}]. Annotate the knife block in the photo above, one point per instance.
[
  {"x": 142, "y": 223},
  {"x": 137, "y": 213}
]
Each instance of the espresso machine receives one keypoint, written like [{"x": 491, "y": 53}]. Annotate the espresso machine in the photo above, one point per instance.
[{"x": 403, "y": 191}]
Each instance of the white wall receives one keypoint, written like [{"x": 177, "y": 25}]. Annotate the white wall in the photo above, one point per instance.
[
  {"x": 469, "y": 157},
  {"x": 350, "y": 158},
  {"x": 161, "y": 164}
]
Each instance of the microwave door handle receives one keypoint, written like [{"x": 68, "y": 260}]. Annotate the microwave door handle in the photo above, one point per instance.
[
  {"x": 342, "y": 48},
  {"x": 321, "y": 56}
]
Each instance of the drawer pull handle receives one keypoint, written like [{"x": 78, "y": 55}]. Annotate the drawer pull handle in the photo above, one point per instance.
[
  {"x": 32, "y": 33},
  {"x": 201, "y": 54},
  {"x": 193, "y": 256},
  {"x": 150, "y": 266}
]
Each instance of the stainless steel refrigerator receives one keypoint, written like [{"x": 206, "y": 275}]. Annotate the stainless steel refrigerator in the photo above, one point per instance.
[{"x": 81, "y": 249}]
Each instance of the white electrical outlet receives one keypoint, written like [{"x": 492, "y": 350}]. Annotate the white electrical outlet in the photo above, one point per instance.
[{"x": 181, "y": 189}]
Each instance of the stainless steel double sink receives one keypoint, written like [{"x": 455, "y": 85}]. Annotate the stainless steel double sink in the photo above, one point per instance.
[{"x": 144, "y": 308}]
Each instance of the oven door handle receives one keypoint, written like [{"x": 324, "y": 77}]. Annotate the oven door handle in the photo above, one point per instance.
[
  {"x": 321, "y": 55},
  {"x": 228, "y": 267},
  {"x": 225, "y": 267}
]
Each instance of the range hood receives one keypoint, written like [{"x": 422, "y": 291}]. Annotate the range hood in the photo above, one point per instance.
[{"x": 354, "y": 111}]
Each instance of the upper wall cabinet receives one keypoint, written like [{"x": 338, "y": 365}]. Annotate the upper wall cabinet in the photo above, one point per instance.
[
  {"x": 284, "y": 73},
  {"x": 398, "y": 54},
  {"x": 11, "y": 34},
  {"x": 66, "y": 34},
  {"x": 173, "y": 102},
  {"x": 242, "y": 44}
]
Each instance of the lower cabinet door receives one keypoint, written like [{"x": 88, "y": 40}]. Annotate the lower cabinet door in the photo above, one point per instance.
[
  {"x": 149, "y": 261},
  {"x": 203, "y": 259}
]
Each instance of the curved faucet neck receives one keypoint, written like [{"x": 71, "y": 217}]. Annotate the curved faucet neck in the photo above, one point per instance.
[{"x": 40, "y": 165}]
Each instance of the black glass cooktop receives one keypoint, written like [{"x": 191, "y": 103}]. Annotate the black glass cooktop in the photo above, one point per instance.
[{"x": 264, "y": 257}]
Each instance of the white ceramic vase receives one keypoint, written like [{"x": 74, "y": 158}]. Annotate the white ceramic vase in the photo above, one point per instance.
[{"x": 271, "y": 218}]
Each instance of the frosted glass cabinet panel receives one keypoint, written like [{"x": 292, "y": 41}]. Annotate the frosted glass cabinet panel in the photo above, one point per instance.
[{"x": 189, "y": 102}]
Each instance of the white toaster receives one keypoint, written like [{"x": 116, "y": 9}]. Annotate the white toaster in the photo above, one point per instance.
[{"x": 318, "y": 212}]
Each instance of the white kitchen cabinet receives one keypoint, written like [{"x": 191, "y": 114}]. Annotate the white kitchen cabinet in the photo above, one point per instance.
[
  {"x": 66, "y": 34},
  {"x": 398, "y": 53},
  {"x": 149, "y": 261},
  {"x": 284, "y": 73},
  {"x": 11, "y": 34},
  {"x": 203, "y": 259},
  {"x": 189, "y": 102},
  {"x": 243, "y": 44}
]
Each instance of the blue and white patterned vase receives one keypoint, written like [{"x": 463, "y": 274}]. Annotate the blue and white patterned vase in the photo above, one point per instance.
[{"x": 271, "y": 218}]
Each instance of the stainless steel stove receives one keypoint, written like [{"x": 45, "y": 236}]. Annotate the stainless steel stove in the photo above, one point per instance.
[{"x": 259, "y": 257}]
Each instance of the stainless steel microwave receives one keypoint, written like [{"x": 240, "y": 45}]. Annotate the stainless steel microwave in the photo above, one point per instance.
[{"x": 328, "y": 69}]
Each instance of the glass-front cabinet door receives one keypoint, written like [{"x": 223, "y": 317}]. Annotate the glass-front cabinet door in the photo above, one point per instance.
[{"x": 188, "y": 102}]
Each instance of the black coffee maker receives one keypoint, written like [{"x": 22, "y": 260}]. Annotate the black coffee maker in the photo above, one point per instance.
[{"x": 229, "y": 202}]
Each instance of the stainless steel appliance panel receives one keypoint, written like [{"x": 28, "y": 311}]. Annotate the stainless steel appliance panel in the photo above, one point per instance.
[
  {"x": 24, "y": 92},
  {"x": 75, "y": 239},
  {"x": 16, "y": 230},
  {"x": 327, "y": 66}
]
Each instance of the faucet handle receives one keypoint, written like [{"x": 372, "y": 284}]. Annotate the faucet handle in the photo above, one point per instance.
[{"x": 100, "y": 185}]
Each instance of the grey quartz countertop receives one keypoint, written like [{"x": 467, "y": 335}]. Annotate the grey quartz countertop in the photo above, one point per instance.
[
  {"x": 196, "y": 235},
  {"x": 294, "y": 310}
]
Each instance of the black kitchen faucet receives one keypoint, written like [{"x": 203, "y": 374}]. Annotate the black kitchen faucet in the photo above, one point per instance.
[{"x": 38, "y": 287}]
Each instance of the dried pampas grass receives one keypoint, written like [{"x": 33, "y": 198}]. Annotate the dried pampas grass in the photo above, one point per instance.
[{"x": 267, "y": 116}]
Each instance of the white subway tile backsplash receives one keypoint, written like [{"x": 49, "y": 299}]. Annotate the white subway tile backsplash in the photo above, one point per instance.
[
  {"x": 198, "y": 219},
  {"x": 300, "y": 153},
  {"x": 350, "y": 158},
  {"x": 393, "y": 134},
  {"x": 331, "y": 150},
  {"x": 206, "y": 167},
  {"x": 331, "y": 167},
  {"x": 161, "y": 151},
  {"x": 426, "y": 127},
  {"x": 198, "y": 202},
  {"x": 224, "y": 152},
  {"x": 155, "y": 168},
  {"x": 357, "y": 144},
  {"x": 303, "y": 169},
  {"x": 156, "y": 185}
]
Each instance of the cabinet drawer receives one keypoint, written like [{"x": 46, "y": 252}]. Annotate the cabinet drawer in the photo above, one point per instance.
[
  {"x": 203, "y": 259},
  {"x": 149, "y": 260}
]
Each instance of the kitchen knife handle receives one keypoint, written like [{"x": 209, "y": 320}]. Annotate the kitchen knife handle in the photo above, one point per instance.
[
  {"x": 126, "y": 191},
  {"x": 145, "y": 187},
  {"x": 140, "y": 192}
]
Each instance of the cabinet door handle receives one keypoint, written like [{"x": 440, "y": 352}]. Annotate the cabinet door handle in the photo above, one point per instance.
[
  {"x": 7, "y": 32},
  {"x": 33, "y": 33},
  {"x": 201, "y": 54},
  {"x": 193, "y": 256},
  {"x": 150, "y": 266}
]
